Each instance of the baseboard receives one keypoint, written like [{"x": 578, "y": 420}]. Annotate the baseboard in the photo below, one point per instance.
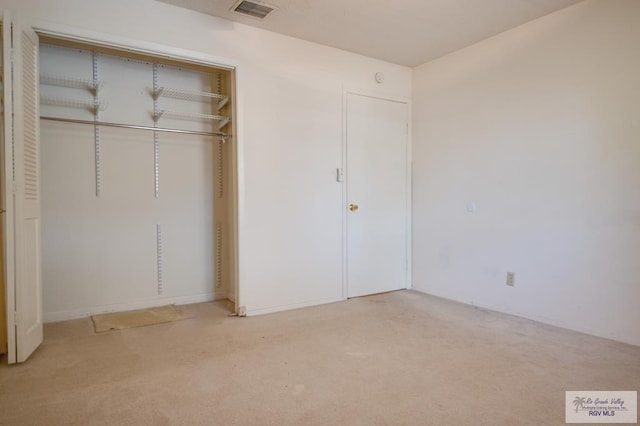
[
  {"x": 536, "y": 318},
  {"x": 128, "y": 306},
  {"x": 279, "y": 308}
]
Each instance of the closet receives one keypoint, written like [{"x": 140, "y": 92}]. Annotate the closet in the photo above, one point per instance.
[{"x": 137, "y": 186}]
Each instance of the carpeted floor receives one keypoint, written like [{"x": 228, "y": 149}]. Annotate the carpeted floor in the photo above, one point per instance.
[{"x": 400, "y": 358}]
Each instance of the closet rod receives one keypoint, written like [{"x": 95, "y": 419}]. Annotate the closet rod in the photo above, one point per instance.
[{"x": 134, "y": 126}]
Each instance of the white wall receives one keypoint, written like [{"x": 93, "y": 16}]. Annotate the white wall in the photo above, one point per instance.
[
  {"x": 540, "y": 128},
  {"x": 289, "y": 134}
]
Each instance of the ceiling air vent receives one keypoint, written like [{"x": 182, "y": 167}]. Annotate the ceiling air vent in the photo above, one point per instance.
[{"x": 253, "y": 9}]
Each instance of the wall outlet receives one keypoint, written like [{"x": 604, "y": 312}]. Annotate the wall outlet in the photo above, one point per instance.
[
  {"x": 511, "y": 279},
  {"x": 242, "y": 311}
]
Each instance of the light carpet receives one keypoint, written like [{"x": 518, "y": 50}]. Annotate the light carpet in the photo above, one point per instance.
[{"x": 401, "y": 358}]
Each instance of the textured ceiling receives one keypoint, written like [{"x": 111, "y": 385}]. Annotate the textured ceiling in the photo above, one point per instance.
[{"x": 406, "y": 32}]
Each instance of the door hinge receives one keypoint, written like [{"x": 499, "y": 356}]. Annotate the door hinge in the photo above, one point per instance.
[
  {"x": 339, "y": 174},
  {"x": 14, "y": 187},
  {"x": 16, "y": 318}
]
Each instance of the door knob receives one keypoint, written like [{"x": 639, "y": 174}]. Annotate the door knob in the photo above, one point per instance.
[{"x": 353, "y": 207}]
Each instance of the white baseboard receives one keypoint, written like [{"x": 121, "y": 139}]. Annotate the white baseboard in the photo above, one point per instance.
[
  {"x": 533, "y": 317},
  {"x": 128, "y": 306},
  {"x": 279, "y": 308}
]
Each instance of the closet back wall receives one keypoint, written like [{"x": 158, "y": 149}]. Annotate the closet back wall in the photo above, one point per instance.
[{"x": 101, "y": 252}]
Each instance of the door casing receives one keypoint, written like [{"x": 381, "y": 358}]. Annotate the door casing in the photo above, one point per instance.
[
  {"x": 108, "y": 41},
  {"x": 116, "y": 42},
  {"x": 3, "y": 302}
]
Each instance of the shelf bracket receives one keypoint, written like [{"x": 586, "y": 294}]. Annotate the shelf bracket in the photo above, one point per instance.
[
  {"x": 157, "y": 115},
  {"x": 157, "y": 91},
  {"x": 223, "y": 123}
]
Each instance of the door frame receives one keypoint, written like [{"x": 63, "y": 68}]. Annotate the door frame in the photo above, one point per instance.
[
  {"x": 4, "y": 308},
  {"x": 8, "y": 222},
  {"x": 346, "y": 91},
  {"x": 111, "y": 41}
]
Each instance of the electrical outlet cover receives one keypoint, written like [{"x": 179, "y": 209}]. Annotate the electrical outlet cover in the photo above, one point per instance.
[{"x": 511, "y": 277}]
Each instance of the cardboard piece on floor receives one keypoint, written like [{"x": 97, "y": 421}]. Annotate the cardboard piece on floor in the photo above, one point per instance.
[{"x": 138, "y": 318}]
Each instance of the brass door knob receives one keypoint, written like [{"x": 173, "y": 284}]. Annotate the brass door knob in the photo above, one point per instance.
[{"x": 353, "y": 207}]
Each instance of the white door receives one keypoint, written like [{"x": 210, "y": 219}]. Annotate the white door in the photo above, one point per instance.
[
  {"x": 22, "y": 172},
  {"x": 377, "y": 195}
]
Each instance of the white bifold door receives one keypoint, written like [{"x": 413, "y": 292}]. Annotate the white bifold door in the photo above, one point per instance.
[
  {"x": 21, "y": 189},
  {"x": 377, "y": 195}
]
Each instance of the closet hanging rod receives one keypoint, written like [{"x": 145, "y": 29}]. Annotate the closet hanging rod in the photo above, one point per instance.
[{"x": 135, "y": 126}]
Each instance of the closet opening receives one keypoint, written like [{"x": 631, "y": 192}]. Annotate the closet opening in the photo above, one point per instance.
[{"x": 138, "y": 178}]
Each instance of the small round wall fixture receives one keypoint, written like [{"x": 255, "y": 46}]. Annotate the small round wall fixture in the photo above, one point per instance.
[{"x": 379, "y": 77}]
